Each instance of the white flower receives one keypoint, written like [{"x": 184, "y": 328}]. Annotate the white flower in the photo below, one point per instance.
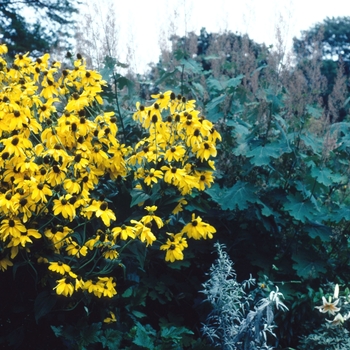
[
  {"x": 337, "y": 320},
  {"x": 275, "y": 297},
  {"x": 336, "y": 291},
  {"x": 328, "y": 306}
]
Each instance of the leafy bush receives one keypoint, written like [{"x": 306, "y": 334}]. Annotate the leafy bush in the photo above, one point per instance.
[
  {"x": 233, "y": 323},
  {"x": 79, "y": 208},
  {"x": 281, "y": 196}
]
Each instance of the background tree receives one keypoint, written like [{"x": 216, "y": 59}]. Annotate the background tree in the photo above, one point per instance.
[
  {"x": 50, "y": 24},
  {"x": 331, "y": 39}
]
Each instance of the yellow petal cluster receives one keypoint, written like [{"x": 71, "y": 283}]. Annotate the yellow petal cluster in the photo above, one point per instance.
[{"x": 58, "y": 148}]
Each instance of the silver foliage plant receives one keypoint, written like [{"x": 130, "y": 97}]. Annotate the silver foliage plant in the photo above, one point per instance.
[{"x": 237, "y": 320}]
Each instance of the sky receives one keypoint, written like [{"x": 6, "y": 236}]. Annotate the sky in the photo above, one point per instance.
[{"x": 143, "y": 25}]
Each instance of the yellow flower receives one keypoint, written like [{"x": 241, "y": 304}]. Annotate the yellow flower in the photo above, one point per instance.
[
  {"x": 76, "y": 250},
  {"x": 71, "y": 186},
  {"x": 141, "y": 113},
  {"x": 151, "y": 217},
  {"x": 198, "y": 229},
  {"x": 106, "y": 285},
  {"x": 101, "y": 210},
  {"x": 144, "y": 233},
  {"x": 110, "y": 319},
  {"x": 179, "y": 208},
  {"x": 5, "y": 262},
  {"x": 65, "y": 286},
  {"x": 9, "y": 202},
  {"x": 3, "y": 49},
  {"x": 153, "y": 176},
  {"x": 91, "y": 243},
  {"x": 24, "y": 238},
  {"x": 173, "y": 175},
  {"x": 204, "y": 178},
  {"x": 163, "y": 99},
  {"x": 59, "y": 267},
  {"x": 11, "y": 227},
  {"x": 110, "y": 254},
  {"x": 40, "y": 191},
  {"x": 57, "y": 235},
  {"x": 124, "y": 231},
  {"x": 77, "y": 102},
  {"x": 16, "y": 145},
  {"x": 175, "y": 152},
  {"x": 205, "y": 150},
  {"x": 65, "y": 207},
  {"x": 174, "y": 247}
]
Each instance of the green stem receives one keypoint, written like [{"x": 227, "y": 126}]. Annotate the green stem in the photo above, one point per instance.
[{"x": 118, "y": 107}]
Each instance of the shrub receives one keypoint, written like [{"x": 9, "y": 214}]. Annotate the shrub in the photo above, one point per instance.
[{"x": 78, "y": 207}]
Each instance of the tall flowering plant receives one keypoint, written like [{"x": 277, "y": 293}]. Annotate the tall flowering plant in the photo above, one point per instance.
[{"x": 66, "y": 177}]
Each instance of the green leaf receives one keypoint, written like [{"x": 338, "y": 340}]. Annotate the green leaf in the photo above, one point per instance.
[
  {"x": 215, "y": 85},
  {"x": 315, "y": 112},
  {"x": 240, "y": 130},
  {"x": 43, "y": 304},
  {"x": 312, "y": 141},
  {"x": 317, "y": 230},
  {"x": 215, "y": 101},
  {"x": 266, "y": 211},
  {"x": 142, "y": 336},
  {"x": 261, "y": 155},
  {"x": 122, "y": 65},
  {"x": 138, "y": 196},
  {"x": 58, "y": 331},
  {"x": 307, "y": 266},
  {"x": 108, "y": 69},
  {"x": 199, "y": 88},
  {"x": 138, "y": 314},
  {"x": 340, "y": 214},
  {"x": 299, "y": 208},
  {"x": 128, "y": 293},
  {"x": 191, "y": 66},
  {"x": 325, "y": 176},
  {"x": 237, "y": 196},
  {"x": 91, "y": 334},
  {"x": 174, "y": 333},
  {"x": 164, "y": 77},
  {"x": 234, "y": 82},
  {"x": 179, "y": 264},
  {"x": 122, "y": 82},
  {"x": 111, "y": 339}
]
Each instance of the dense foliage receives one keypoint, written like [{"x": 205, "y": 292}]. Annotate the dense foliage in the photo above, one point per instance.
[
  {"x": 108, "y": 200},
  {"x": 282, "y": 194},
  {"x": 79, "y": 208}
]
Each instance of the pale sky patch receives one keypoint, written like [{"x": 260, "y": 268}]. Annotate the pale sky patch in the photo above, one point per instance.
[{"x": 144, "y": 24}]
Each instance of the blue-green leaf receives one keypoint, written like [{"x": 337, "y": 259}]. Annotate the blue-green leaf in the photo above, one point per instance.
[
  {"x": 299, "y": 208},
  {"x": 234, "y": 82},
  {"x": 111, "y": 338},
  {"x": 261, "y": 154},
  {"x": 215, "y": 85},
  {"x": 306, "y": 266},
  {"x": 43, "y": 304},
  {"x": 238, "y": 196},
  {"x": 142, "y": 336},
  {"x": 317, "y": 230},
  {"x": 138, "y": 196},
  {"x": 312, "y": 141},
  {"x": 315, "y": 112},
  {"x": 215, "y": 101}
]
